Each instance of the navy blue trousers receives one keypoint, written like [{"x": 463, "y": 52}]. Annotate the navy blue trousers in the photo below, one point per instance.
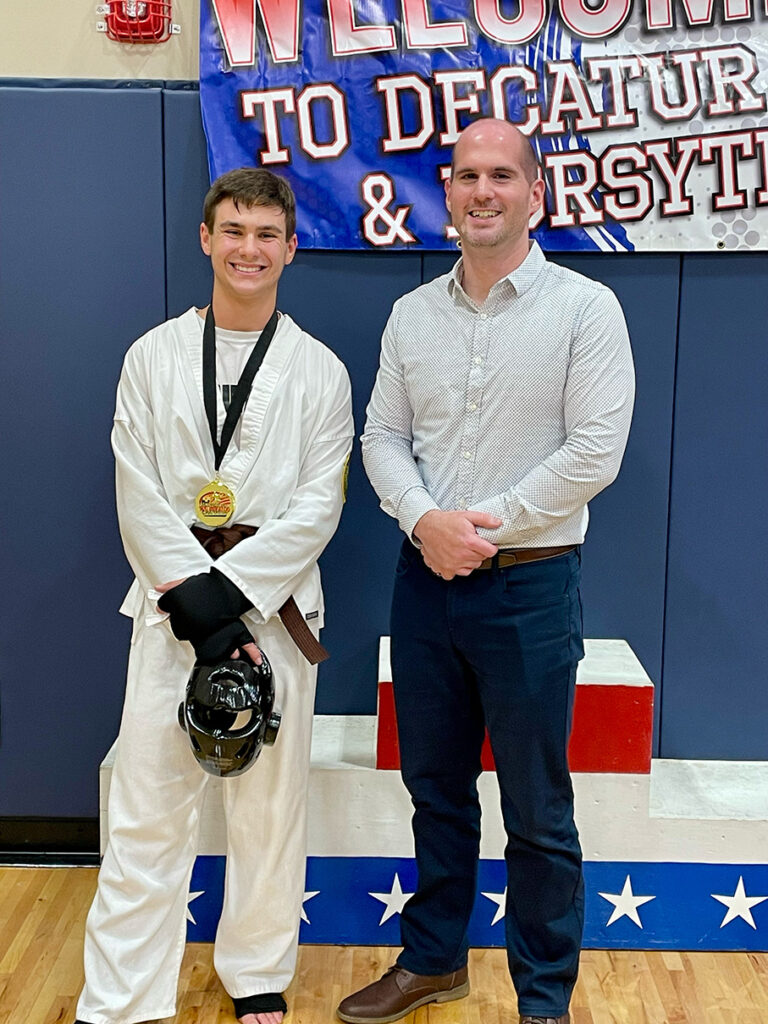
[{"x": 498, "y": 648}]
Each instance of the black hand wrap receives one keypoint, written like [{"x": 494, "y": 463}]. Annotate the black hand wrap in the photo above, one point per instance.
[
  {"x": 220, "y": 645},
  {"x": 205, "y": 609}
]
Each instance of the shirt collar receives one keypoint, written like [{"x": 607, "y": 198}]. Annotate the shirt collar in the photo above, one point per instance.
[{"x": 521, "y": 278}]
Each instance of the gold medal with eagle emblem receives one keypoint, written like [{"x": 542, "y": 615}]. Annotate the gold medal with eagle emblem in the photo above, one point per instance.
[{"x": 215, "y": 504}]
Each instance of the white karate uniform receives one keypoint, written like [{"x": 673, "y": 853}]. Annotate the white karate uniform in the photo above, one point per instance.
[{"x": 287, "y": 476}]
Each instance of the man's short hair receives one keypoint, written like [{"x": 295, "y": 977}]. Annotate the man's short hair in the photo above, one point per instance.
[{"x": 251, "y": 186}]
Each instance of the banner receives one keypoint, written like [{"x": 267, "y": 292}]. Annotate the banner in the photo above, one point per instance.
[{"x": 648, "y": 117}]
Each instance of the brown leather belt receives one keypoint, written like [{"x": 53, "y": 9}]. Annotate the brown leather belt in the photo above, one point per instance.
[
  {"x": 224, "y": 538},
  {"x": 511, "y": 556}
]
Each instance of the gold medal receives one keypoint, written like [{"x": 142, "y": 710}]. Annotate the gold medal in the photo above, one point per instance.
[{"x": 215, "y": 504}]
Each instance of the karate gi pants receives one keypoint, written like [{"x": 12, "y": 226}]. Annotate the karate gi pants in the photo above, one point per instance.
[
  {"x": 136, "y": 927},
  {"x": 498, "y": 648}
]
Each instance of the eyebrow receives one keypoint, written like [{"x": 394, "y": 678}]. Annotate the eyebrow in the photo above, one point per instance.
[
  {"x": 239, "y": 224},
  {"x": 509, "y": 170}
]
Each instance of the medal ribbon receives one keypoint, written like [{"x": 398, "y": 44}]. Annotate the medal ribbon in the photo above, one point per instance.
[{"x": 240, "y": 394}]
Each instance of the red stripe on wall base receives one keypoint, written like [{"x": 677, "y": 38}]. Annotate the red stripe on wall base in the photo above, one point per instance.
[{"x": 612, "y": 730}]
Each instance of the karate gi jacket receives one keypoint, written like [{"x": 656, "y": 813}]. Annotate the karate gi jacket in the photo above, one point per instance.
[{"x": 288, "y": 475}]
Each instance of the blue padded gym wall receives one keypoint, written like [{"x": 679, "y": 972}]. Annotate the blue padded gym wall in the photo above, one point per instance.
[
  {"x": 715, "y": 694},
  {"x": 82, "y": 238},
  {"x": 100, "y": 191}
]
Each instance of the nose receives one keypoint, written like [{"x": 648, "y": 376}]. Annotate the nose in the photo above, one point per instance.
[
  {"x": 483, "y": 187},
  {"x": 249, "y": 245}
]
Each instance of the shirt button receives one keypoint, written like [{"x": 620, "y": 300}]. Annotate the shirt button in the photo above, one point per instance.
[
  {"x": 467, "y": 455},
  {"x": 483, "y": 316},
  {"x": 478, "y": 360},
  {"x": 471, "y": 406},
  {"x": 462, "y": 504}
]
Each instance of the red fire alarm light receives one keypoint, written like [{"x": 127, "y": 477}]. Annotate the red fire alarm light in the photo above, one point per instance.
[{"x": 137, "y": 21}]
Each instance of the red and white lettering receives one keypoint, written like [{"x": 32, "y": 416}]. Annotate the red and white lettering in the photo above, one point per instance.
[
  {"x": 619, "y": 69},
  {"x": 658, "y": 14},
  {"x": 513, "y": 31},
  {"x": 378, "y": 191},
  {"x": 530, "y": 84},
  {"x": 452, "y": 104},
  {"x": 393, "y": 88},
  {"x": 268, "y": 100},
  {"x": 338, "y": 111},
  {"x": 347, "y": 37},
  {"x": 594, "y": 22},
  {"x": 574, "y": 177},
  {"x": 722, "y": 150},
  {"x": 281, "y": 24},
  {"x": 761, "y": 144},
  {"x": 621, "y": 181},
  {"x": 698, "y": 12},
  {"x": 569, "y": 94},
  {"x": 727, "y": 84},
  {"x": 674, "y": 175},
  {"x": 237, "y": 24},
  {"x": 421, "y": 34},
  {"x": 690, "y": 99}
]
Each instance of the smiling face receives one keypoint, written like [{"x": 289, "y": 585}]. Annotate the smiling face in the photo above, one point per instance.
[
  {"x": 492, "y": 192},
  {"x": 248, "y": 248}
]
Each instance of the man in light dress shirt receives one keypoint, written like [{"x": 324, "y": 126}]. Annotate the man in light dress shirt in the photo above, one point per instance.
[{"x": 501, "y": 406}]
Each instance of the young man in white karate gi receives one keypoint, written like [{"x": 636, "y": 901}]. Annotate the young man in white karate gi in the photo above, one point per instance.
[{"x": 282, "y": 477}]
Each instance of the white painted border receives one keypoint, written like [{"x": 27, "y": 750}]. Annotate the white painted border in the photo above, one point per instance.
[
  {"x": 605, "y": 663},
  {"x": 718, "y": 790},
  {"x": 356, "y": 810}
]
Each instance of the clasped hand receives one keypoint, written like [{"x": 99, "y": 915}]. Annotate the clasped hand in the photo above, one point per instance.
[
  {"x": 450, "y": 543},
  {"x": 213, "y": 625}
]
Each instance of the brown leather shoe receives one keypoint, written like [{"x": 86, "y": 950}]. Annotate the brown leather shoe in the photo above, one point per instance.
[
  {"x": 527, "y": 1018},
  {"x": 398, "y": 992}
]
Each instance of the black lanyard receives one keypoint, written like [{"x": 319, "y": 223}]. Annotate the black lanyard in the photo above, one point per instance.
[{"x": 240, "y": 394}]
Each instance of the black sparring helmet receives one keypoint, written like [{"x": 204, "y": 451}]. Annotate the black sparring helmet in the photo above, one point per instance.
[{"x": 228, "y": 714}]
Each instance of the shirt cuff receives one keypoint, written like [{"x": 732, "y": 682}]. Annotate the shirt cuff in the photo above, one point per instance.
[
  {"x": 257, "y": 612},
  {"x": 511, "y": 533},
  {"x": 415, "y": 503}
]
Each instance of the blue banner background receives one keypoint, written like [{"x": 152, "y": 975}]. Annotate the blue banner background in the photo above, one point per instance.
[
  {"x": 328, "y": 192},
  {"x": 640, "y": 120}
]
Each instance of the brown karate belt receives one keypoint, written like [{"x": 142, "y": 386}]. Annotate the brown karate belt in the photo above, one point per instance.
[
  {"x": 224, "y": 538},
  {"x": 512, "y": 556}
]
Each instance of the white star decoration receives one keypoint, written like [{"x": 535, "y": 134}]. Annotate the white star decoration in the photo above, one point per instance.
[
  {"x": 500, "y": 899},
  {"x": 394, "y": 901},
  {"x": 625, "y": 904},
  {"x": 192, "y": 896},
  {"x": 307, "y": 896},
  {"x": 739, "y": 905}
]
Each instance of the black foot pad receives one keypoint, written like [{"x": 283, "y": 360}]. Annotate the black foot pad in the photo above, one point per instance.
[{"x": 267, "y": 1002}]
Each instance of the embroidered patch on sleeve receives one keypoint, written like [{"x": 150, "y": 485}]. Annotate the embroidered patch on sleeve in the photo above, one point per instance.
[{"x": 345, "y": 479}]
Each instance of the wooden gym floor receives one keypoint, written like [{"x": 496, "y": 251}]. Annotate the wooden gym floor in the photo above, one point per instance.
[{"x": 42, "y": 916}]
